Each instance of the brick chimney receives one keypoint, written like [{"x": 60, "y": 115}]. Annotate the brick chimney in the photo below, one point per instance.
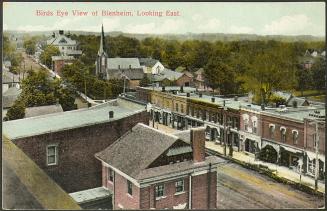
[{"x": 198, "y": 144}]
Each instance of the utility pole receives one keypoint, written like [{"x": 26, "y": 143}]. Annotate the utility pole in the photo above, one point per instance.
[
  {"x": 317, "y": 159},
  {"x": 85, "y": 84},
  {"x": 225, "y": 131}
]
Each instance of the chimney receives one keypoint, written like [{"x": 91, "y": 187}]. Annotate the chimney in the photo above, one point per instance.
[
  {"x": 182, "y": 89},
  {"x": 163, "y": 89},
  {"x": 213, "y": 99},
  {"x": 187, "y": 94},
  {"x": 53, "y": 35},
  {"x": 235, "y": 98},
  {"x": 200, "y": 94},
  {"x": 263, "y": 107},
  {"x": 198, "y": 143},
  {"x": 111, "y": 114},
  {"x": 89, "y": 105},
  {"x": 61, "y": 32}
]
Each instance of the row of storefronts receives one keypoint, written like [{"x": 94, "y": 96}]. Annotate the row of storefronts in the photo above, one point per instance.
[{"x": 243, "y": 128}]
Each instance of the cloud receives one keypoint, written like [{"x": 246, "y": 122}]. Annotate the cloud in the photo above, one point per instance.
[
  {"x": 212, "y": 25},
  {"x": 289, "y": 25},
  {"x": 75, "y": 24},
  {"x": 197, "y": 17},
  {"x": 109, "y": 24},
  {"x": 240, "y": 30},
  {"x": 167, "y": 26}
]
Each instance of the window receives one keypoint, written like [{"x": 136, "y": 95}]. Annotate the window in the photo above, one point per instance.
[
  {"x": 103, "y": 61},
  {"x": 295, "y": 136},
  {"x": 159, "y": 190},
  {"x": 182, "y": 108},
  {"x": 283, "y": 134},
  {"x": 314, "y": 140},
  {"x": 129, "y": 187},
  {"x": 271, "y": 131},
  {"x": 254, "y": 126},
  {"x": 110, "y": 175},
  {"x": 179, "y": 186},
  {"x": 176, "y": 107},
  {"x": 62, "y": 48},
  {"x": 246, "y": 124},
  {"x": 52, "y": 155}
]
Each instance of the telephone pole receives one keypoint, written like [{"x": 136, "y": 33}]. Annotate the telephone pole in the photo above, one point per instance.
[{"x": 317, "y": 159}]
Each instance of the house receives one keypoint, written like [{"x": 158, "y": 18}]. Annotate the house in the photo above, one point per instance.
[
  {"x": 58, "y": 62},
  {"x": 151, "y": 66},
  {"x": 185, "y": 80},
  {"x": 168, "y": 173},
  {"x": 200, "y": 81},
  {"x": 42, "y": 110},
  {"x": 166, "y": 77},
  {"x": 63, "y": 144},
  {"x": 9, "y": 80},
  {"x": 66, "y": 45},
  {"x": 117, "y": 68}
]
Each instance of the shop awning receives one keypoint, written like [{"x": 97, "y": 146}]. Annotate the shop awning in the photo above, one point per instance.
[{"x": 312, "y": 156}]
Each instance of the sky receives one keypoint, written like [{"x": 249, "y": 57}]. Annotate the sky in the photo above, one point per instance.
[{"x": 263, "y": 18}]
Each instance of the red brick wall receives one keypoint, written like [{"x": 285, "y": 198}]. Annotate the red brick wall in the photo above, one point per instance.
[
  {"x": 77, "y": 167},
  {"x": 121, "y": 195},
  {"x": 288, "y": 124},
  {"x": 147, "y": 199},
  {"x": 250, "y": 123},
  {"x": 198, "y": 142},
  {"x": 200, "y": 191}
]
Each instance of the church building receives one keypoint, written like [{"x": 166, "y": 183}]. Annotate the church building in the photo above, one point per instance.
[{"x": 117, "y": 68}]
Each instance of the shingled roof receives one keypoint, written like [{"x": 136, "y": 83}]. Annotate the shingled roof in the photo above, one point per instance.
[
  {"x": 148, "y": 62},
  {"x": 136, "y": 149}
]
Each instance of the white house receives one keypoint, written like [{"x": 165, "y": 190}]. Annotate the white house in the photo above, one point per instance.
[
  {"x": 67, "y": 46},
  {"x": 152, "y": 66}
]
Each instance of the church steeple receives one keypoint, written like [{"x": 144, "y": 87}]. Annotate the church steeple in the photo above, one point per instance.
[
  {"x": 101, "y": 61},
  {"x": 102, "y": 44}
]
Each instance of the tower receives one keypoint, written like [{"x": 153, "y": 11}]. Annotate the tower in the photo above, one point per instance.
[{"x": 101, "y": 61}]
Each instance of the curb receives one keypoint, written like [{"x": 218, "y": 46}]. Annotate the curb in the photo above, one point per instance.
[{"x": 270, "y": 173}]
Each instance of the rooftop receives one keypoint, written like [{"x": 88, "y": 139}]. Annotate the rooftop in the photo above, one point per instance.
[
  {"x": 42, "y": 110},
  {"x": 70, "y": 119},
  {"x": 148, "y": 62},
  {"x": 56, "y": 58},
  {"x": 167, "y": 74},
  {"x": 123, "y": 63},
  {"x": 32, "y": 190},
  {"x": 136, "y": 165}
]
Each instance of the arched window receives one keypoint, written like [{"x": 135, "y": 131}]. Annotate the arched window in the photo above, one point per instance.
[
  {"x": 283, "y": 134},
  {"x": 271, "y": 130},
  {"x": 295, "y": 134}
]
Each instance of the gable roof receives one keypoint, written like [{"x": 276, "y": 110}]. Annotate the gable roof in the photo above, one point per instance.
[
  {"x": 61, "y": 40},
  {"x": 132, "y": 74},
  {"x": 123, "y": 63},
  {"x": 167, "y": 74},
  {"x": 148, "y": 62},
  {"x": 42, "y": 110},
  {"x": 187, "y": 73},
  {"x": 136, "y": 149}
]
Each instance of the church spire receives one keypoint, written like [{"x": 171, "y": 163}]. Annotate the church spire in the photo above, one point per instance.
[{"x": 102, "y": 44}]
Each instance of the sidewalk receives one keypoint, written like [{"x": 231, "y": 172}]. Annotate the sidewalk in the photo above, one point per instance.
[{"x": 280, "y": 171}]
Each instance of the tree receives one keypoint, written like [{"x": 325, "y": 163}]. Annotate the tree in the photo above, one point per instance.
[
  {"x": 48, "y": 52},
  {"x": 17, "y": 111},
  {"x": 145, "y": 81},
  {"x": 318, "y": 73},
  {"x": 29, "y": 45},
  {"x": 273, "y": 69}
]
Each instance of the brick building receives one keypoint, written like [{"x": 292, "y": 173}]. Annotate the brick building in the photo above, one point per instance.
[
  {"x": 247, "y": 126},
  {"x": 58, "y": 62},
  {"x": 167, "y": 173},
  {"x": 63, "y": 144},
  {"x": 287, "y": 137}
]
